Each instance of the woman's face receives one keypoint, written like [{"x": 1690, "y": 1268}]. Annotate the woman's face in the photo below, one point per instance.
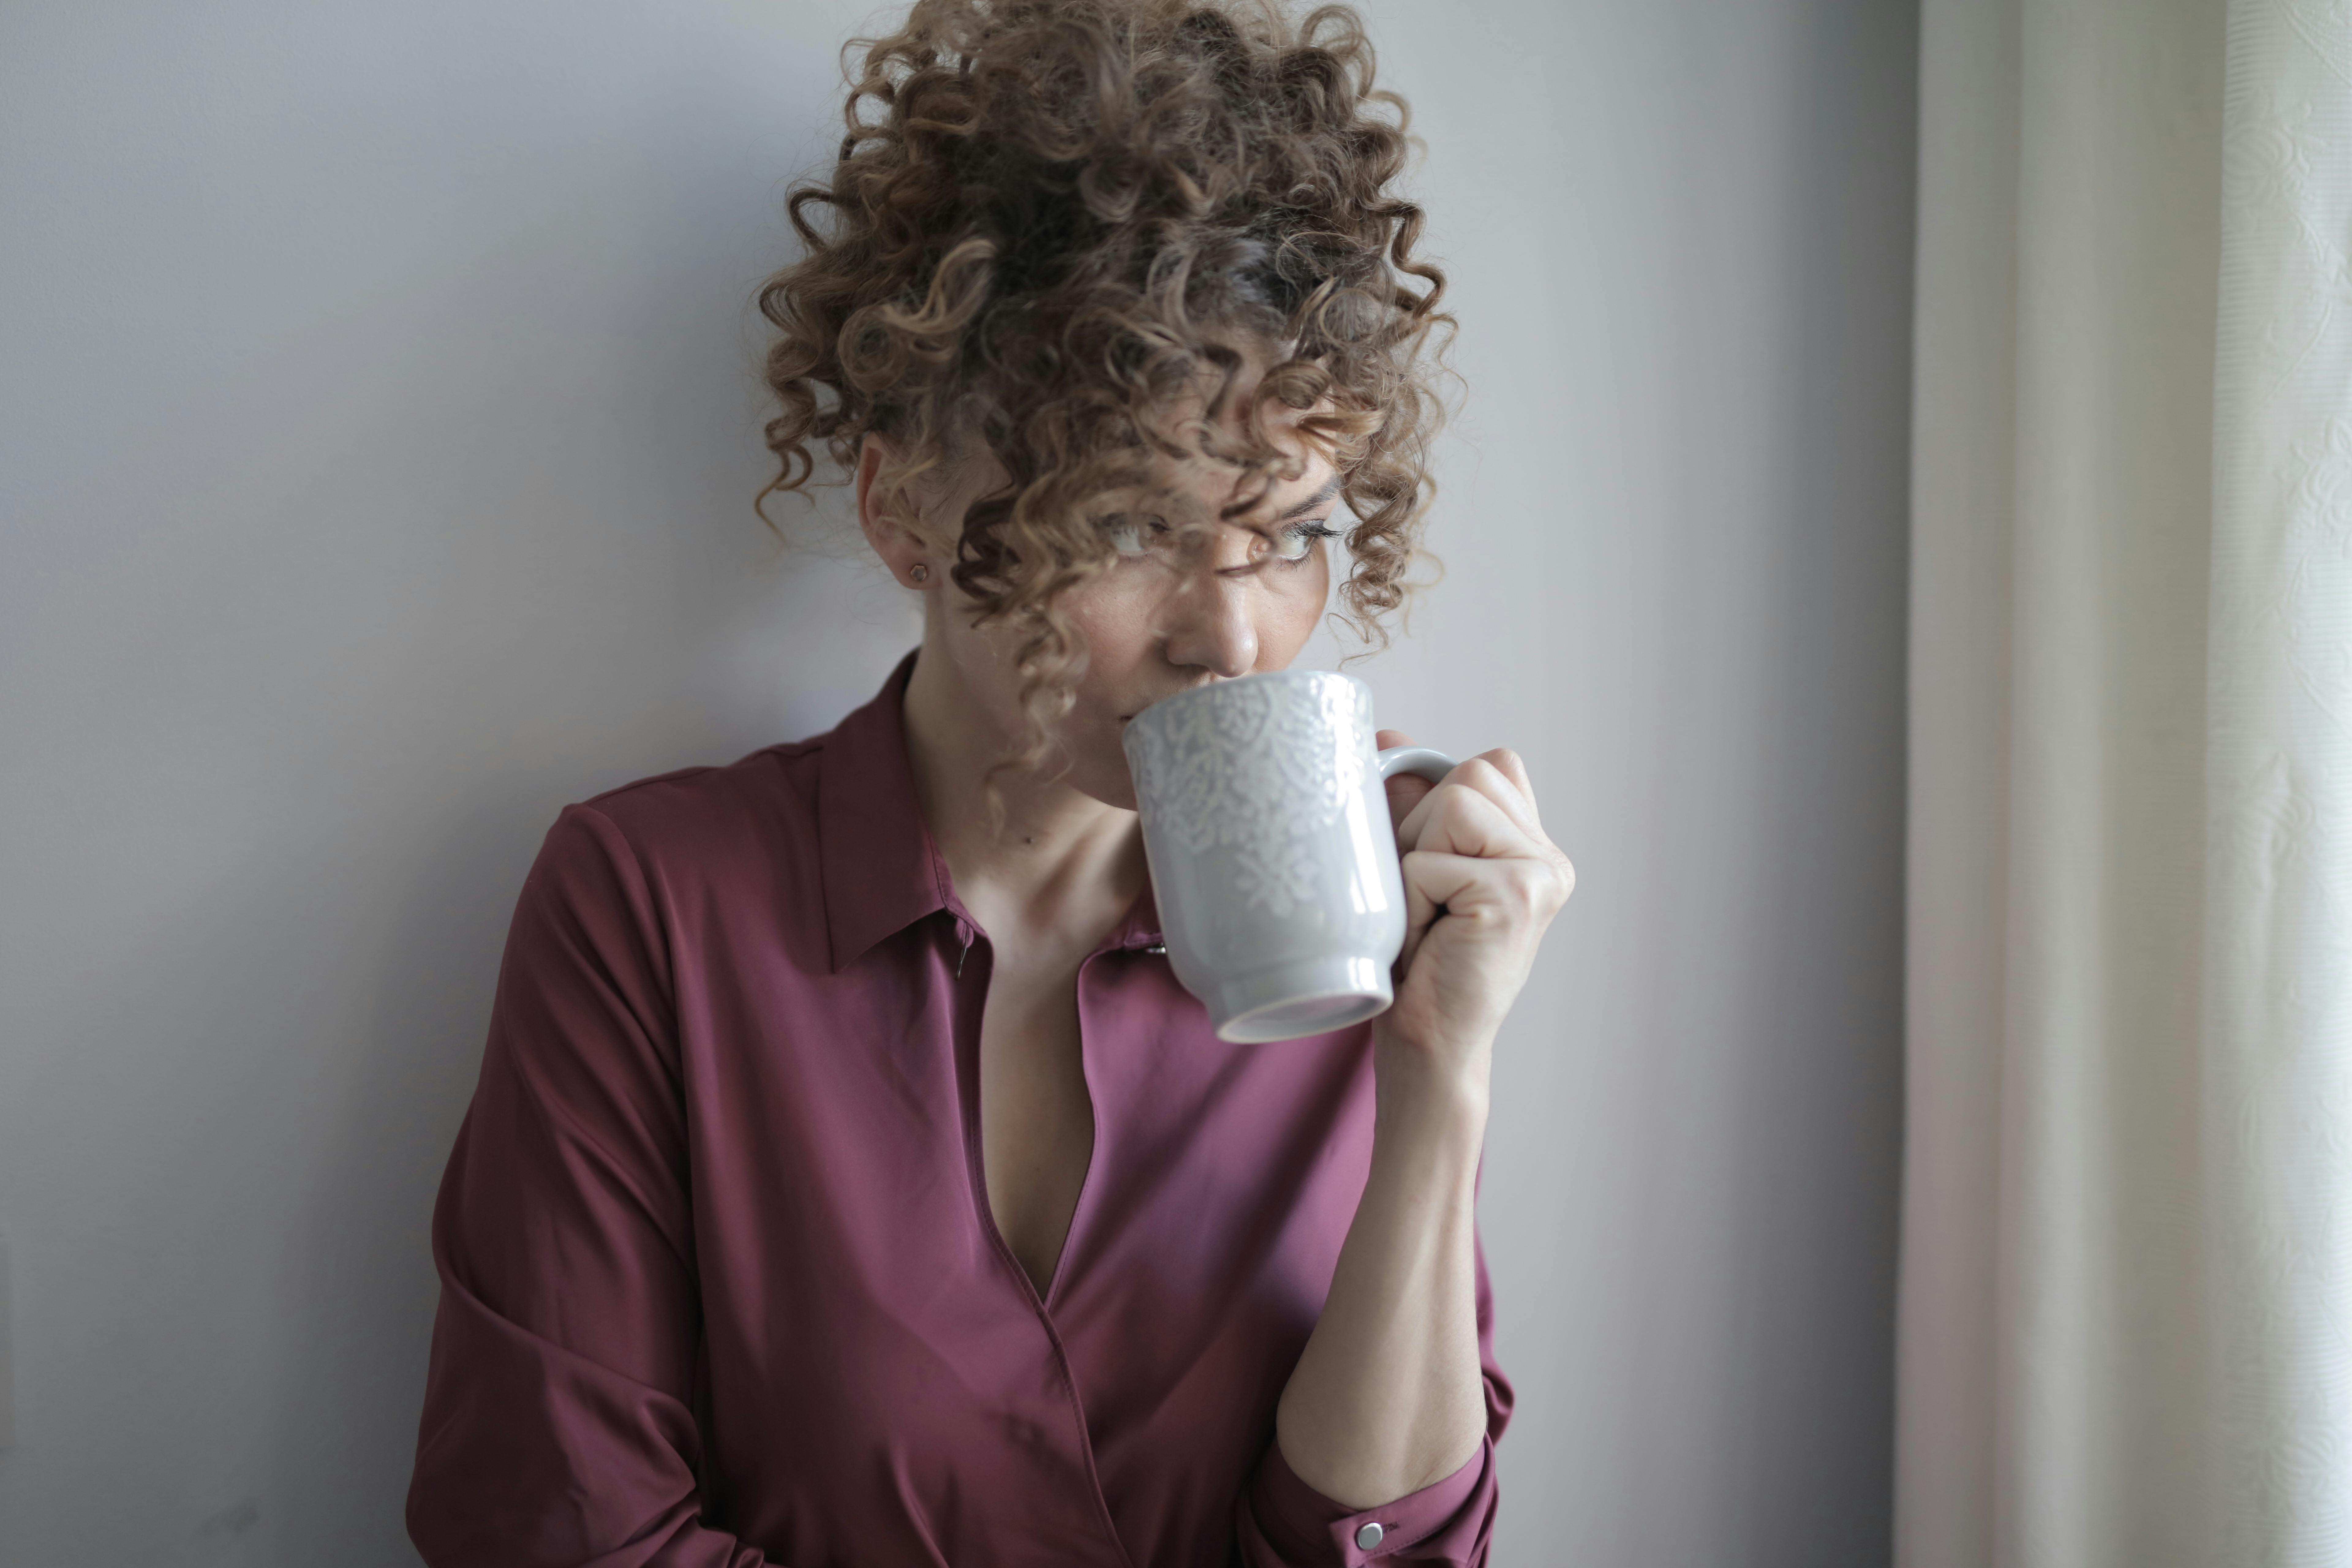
[{"x": 1188, "y": 599}]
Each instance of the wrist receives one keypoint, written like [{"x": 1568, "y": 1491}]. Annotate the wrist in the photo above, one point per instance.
[
  {"x": 1454, "y": 1074},
  {"x": 1437, "y": 1100}
]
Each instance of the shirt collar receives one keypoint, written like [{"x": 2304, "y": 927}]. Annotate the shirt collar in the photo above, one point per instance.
[
  {"x": 882, "y": 872},
  {"x": 881, "y": 868}
]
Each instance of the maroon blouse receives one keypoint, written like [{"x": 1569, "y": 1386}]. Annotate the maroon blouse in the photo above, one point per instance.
[{"x": 719, "y": 1282}]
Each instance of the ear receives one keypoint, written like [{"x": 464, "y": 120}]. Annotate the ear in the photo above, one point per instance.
[{"x": 883, "y": 518}]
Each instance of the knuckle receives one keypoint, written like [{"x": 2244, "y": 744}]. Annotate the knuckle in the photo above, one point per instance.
[
  {"x": 1518, "y": 888},
  {"x": 1478, "y": 767}
]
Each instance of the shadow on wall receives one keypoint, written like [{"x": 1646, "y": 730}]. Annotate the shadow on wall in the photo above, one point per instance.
[
  {"x": 358, "y": 1284},
  {"x": 326, "y": 759},
  {"x": 358, "y": 1277}
]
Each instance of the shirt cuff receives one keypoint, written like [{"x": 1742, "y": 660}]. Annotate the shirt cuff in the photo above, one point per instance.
[{"x": 1287, "y": 1522}]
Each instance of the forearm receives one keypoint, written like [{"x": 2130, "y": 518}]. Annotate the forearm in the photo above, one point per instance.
[{"x": 1387, "y": 1397}]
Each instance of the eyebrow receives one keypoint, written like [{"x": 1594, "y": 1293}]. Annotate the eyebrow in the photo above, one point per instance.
[{"x": 1311, "y": 502}]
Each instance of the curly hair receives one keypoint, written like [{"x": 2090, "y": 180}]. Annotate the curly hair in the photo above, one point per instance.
[{"x": 1050, "y": 220}]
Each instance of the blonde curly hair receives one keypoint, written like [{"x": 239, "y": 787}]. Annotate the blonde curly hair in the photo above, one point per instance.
[{"x": 1050, "y": 221}]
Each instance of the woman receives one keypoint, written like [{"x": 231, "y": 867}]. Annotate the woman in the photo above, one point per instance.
[{"x": 849, "y": 1181}]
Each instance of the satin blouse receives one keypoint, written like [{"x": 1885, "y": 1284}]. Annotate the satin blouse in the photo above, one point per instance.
[{"x": 719, "y": 1286}]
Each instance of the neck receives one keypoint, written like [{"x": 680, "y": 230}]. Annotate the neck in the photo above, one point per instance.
[{"x": 1060, "y": 858}]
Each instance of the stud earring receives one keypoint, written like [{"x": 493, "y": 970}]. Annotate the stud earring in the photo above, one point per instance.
[{"x": 920, "y": 572}]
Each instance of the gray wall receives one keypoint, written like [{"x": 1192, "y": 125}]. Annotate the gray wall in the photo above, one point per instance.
[{"x": 376, "y": 430}]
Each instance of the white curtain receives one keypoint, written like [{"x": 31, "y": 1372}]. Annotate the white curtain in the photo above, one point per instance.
[{"x": 2126, "y": 1292}]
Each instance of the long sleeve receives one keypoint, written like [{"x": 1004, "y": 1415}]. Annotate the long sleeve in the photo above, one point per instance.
[
  {"x": 1280, "y": 1521},
  {"x": 557, "y": 1426}
]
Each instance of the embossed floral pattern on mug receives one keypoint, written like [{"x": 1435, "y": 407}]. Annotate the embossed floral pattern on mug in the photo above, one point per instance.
[{"x": 1266, "y": 778}]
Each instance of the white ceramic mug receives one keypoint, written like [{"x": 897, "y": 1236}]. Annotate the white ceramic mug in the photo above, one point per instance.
[{"x": 1273, "y": 859}]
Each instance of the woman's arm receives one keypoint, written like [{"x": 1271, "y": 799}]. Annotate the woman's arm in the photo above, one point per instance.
[
  {"x": 557, "y": 1428},
  {"x": 1388, "y": 1397}
]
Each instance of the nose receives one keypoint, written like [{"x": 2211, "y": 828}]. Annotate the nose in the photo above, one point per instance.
[{"x": 1209, "y": 622}]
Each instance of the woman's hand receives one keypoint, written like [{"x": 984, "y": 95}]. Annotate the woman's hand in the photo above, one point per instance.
[{"x": 1482, "y": 882}]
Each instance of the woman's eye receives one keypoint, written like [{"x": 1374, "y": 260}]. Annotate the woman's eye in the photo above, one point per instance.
[
  {"x": 1131, "y": 535},
  {"x": 1295, "y": 541}
]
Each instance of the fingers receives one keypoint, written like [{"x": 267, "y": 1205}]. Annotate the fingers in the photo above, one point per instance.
[
  {"x": 1459, "y": 818},
  {"x": 1479, "y": 888},
  {"x": 1404, "y": 790},
  {"x": 1502, "y": 894},
  {"x": 1474, "y": 854},
  {"x": 1497, "y": 777},
  {"x": 1473, "y": 848},
  {"x": 1513, "y": 767}
]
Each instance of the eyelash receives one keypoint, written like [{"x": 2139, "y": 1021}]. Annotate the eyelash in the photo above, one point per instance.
[
  {"x": 1310, "y": 533},
  {"x": 1305, "y": 532}
]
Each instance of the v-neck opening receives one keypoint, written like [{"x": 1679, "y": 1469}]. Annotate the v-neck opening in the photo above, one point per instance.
[
  {"x": 975, "y": 1119},
  {"x": 1087, "y": 1178}
]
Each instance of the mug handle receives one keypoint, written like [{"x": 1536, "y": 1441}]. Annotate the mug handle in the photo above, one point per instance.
[{"x": 1428, "y": 761}]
